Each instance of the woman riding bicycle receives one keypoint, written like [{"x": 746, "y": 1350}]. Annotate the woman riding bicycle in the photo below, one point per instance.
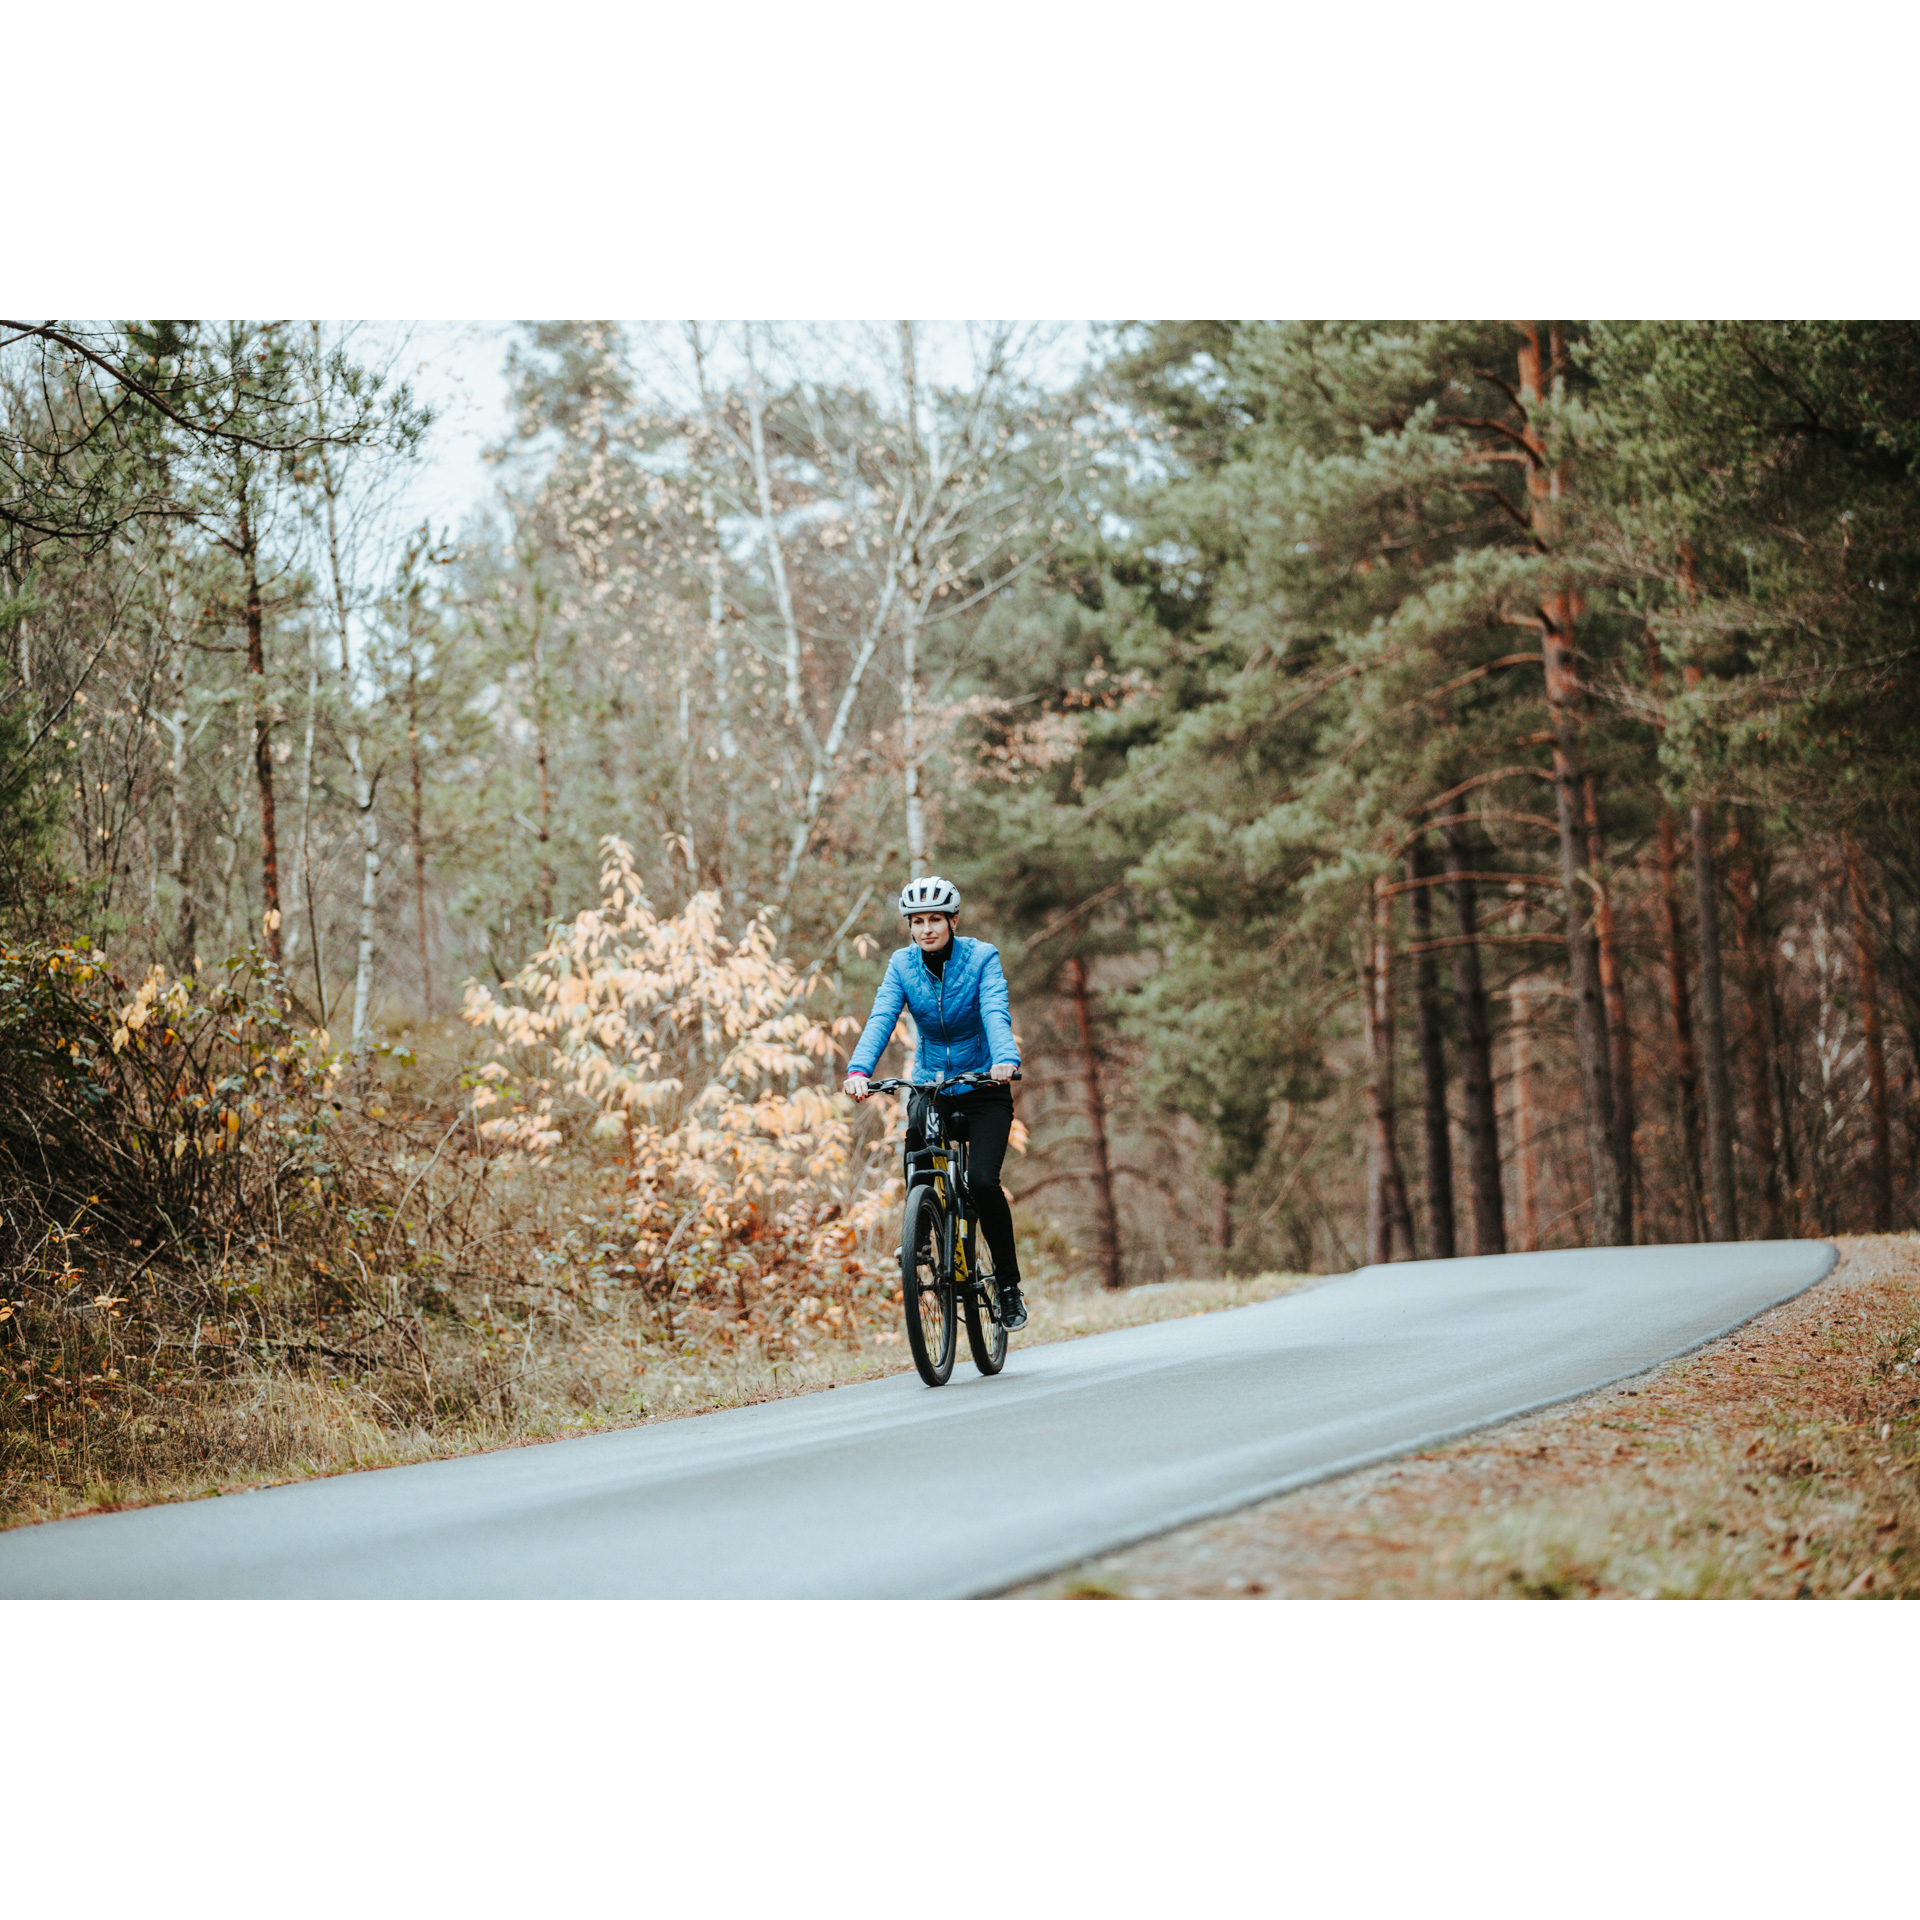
[{"x": 958, "y": 995}]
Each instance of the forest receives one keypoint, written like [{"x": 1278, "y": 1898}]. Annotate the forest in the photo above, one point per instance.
[{"x": 1437, "y": 788}]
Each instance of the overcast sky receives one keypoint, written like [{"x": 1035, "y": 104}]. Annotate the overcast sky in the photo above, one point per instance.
[{"x": 458, "y": 368}]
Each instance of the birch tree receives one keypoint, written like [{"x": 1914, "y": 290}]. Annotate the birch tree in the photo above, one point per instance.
[
  {"x": 871, "y": 531},
  {"x": 349, "y": 483}
]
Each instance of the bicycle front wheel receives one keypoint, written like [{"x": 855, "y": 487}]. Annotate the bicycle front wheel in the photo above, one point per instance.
[
  {"x": 926, "y": 1286},
  {"x": 986, "y": 1332}
]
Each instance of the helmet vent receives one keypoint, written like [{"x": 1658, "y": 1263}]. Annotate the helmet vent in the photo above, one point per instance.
[{"x": 929, "y": 895}]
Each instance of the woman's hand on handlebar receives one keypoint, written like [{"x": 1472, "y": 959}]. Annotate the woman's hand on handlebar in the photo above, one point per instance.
[{"x": 856, "y": 1086}]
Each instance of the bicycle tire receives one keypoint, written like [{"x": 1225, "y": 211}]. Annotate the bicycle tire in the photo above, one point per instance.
[
  {"x": 926, "y": 1286},
  {"x": 986, "y": 1331}
]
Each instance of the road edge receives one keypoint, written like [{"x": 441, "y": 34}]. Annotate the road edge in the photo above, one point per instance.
[{"x": 1213, "y": 1507}]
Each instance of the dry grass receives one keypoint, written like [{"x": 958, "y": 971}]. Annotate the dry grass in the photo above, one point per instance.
[
  {"x": 521, "y": 1381},
  {"x": 231, "y": 1257},
  {"x": 1065, "y": 1309},
  {"x": 1783, "y": 1462}
]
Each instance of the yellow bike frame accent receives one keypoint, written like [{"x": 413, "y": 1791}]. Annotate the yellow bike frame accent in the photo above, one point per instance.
[{"x": 942, "y": 1160}]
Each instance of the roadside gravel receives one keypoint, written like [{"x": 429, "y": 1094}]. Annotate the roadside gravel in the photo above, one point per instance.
[{"x": 1783, "y": 1461}]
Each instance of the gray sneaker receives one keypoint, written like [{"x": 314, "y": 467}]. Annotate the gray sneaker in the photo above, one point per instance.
[{"x": 1013, "y": 1310}]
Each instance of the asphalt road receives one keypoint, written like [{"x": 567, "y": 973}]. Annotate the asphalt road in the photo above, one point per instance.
[{"x": 888, "y": 1490}]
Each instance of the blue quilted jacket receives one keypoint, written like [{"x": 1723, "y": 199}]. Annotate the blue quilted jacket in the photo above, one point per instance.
[{"x": 964, "y": 1021}]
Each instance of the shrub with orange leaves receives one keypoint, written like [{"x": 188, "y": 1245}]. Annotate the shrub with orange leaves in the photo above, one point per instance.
[{"x": 697, "y": 1053}]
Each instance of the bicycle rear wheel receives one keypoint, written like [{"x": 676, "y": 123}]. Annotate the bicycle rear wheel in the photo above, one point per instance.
[
  {"x": 926, "y": 1286},
  {"x": 986, "y": 1333}
]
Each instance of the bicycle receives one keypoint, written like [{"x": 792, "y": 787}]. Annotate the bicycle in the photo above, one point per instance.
[{"x": 943, "y": 1266}]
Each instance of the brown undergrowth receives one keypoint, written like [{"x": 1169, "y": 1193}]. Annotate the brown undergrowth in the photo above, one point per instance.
[
  {"x": 262, "y": 1425},
  {"x": 1782, "y": 1462},
  {"x": 429, "y": 1301},
  {"x": 228, "y": 1253},
  {"x": 232, "y": 1258}
]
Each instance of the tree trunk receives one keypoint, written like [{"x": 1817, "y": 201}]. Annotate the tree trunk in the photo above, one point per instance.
[
  {"x": 309, "y": 905},
  {"x": 1880, "y": 1190},
  {"x": 1750, "y": 943},
  {"x": 1526, "y": 1156},
  {"x": 691, "y": 847},
  {"x": 303, "y": 853},
  {"x": 369, "y": 905},
  {"x": 1713, "y": 1031},
  {"x": 545, "y": 834},
  {"x": 916, "y": 812},
  {"x": 776, "y": 558},
  {"x": 905, "y": 552},
  {"x": 186, "y": 938},
  {"x": 1589, "y": 1014},
  {"x": 1387, "y": 1210},
  {"x": 364, "y": 787},
  {"x": 1610, "y": 1225},
  {"x": 1686, "y": 1067},
  {"x": 364, "y": 784},
  {"x": 1223, "y": 1216},
  {"x": 1613, "y": 998},
  {"x": 1476, "y": 1047},
  {"x": 1379, "y": 1112},
  {"x": 1724, "y": 1214},
  {"x": 262, "y": 737},
  {"x": 717, "y": 647},
  {"x": 828, "y": 758},
  {"x": 1106, "y": 1220},
  {"x": 230, "y": 865},
  {"x": 23, "y": 630},
  {"x": 1433, "y": 1064},
  {"x": 417, "y": 823},
  {"x": 723, "y": 700},
  {"x": 916, "y": 815}
]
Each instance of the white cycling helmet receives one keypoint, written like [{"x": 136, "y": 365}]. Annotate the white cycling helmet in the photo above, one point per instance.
[{"x": 931, "y": 895}]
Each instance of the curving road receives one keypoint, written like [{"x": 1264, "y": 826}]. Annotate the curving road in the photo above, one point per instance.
[{"x": 887, "y": 1490}]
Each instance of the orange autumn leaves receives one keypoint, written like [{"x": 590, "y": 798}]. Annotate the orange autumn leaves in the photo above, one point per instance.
[{"x": 698, "y": 1055}]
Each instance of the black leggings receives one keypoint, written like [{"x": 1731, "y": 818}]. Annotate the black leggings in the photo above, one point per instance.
[{"x": 989, "y": 1117}]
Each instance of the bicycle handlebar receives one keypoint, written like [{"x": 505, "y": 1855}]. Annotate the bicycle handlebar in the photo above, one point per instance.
[{"x": 938, "y": 1087}]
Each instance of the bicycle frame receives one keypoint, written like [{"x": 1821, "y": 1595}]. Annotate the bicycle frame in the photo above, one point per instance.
[{"x": 942, "y": 1164}]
